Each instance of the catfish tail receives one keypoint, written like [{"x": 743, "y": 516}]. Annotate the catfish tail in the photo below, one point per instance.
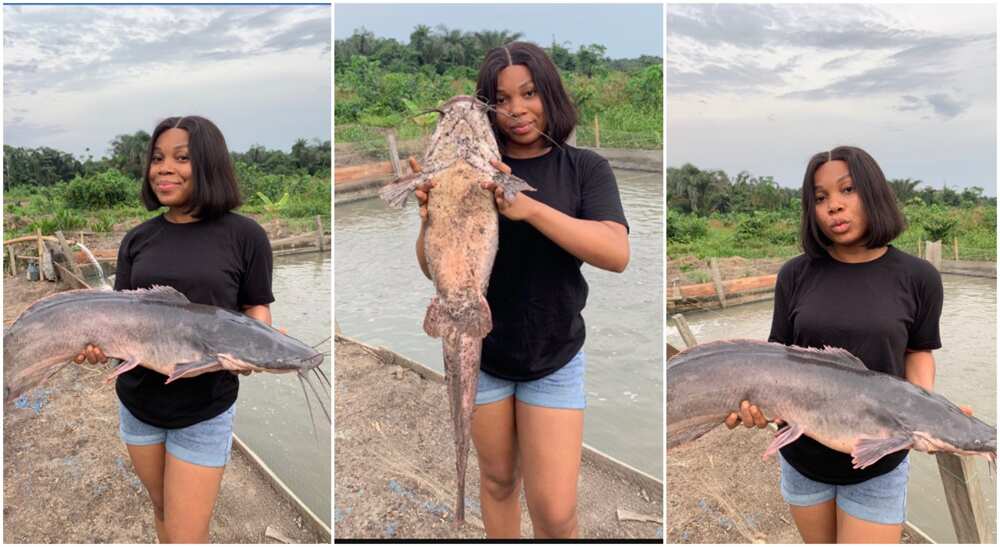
[{"x": 395, "y": 193}]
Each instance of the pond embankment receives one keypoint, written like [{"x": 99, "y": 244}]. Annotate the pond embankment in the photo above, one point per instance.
[{"x": 395, "y": 470}]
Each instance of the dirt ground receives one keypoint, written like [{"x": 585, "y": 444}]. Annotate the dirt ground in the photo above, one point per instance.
[
  {"x": 395, "y": 474},
  {"x": 68, "y": 478},
  {"x": 690, "y": 270},
  {"x": 720, "y": 491}
]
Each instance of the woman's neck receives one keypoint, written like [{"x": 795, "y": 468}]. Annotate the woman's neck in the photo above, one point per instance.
[
  {"x": 855, "y": 254},
  {"x": 526, "y": 152},
  {"x": 176, "y": 215}
]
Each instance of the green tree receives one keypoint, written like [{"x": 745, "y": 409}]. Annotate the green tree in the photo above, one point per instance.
[
  {"x": 904, "y": 189},
  {"x": 128, "y": 153}
]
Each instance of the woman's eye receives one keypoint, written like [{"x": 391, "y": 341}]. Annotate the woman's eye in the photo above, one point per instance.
[
  {"x": 530, "y": 93},
  {"x": 157, "y": 159},
  {"x": 819, "y": 199},
  {"x": 501, "y": 100},
  {"x": 182, "y": 158},
  {"x": 848, "y": 189}
]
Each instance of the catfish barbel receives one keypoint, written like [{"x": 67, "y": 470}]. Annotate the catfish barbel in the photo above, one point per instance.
[
  {"x": 828, "y": 395},
  {"x": 157, "y": 328},
  {"x": 460, "y": 243}
]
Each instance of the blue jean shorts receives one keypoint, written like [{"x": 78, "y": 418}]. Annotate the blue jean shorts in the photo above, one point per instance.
[
  {"x": 880, "y": 499},
  {"x": 206, "y": 443},
  {"x": 561, "y": 389}
]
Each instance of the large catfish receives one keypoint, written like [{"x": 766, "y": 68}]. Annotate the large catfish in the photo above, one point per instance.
[{"x": 460, "y": 243}]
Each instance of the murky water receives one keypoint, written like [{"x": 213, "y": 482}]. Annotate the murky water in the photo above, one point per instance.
[
  {"x": 271, "y": 413},
  {"x": 966, "y": 374},
  {"x": 381, "y": 297}
]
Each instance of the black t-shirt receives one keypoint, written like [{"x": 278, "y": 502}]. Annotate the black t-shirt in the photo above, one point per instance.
[
  {"x": 536, "y": 290},
  {"x": 223, "y": 262},
  {"x": 876, "y": 310}
]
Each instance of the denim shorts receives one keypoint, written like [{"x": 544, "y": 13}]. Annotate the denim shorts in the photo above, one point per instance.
[
  {"x": 561, "y": 389},
  {"x": 880, "y": 499},
  {"x": 206, "y": 443}
]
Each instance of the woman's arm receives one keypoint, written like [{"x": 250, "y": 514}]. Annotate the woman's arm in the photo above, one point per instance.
[
  {"x": 600, "y": 243},
  {"x": 919, "y": 368},
  {"x": 260, "y": 312}
]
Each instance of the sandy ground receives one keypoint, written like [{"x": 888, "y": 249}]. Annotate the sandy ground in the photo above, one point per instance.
[
  {"x": 395, "y": 474},
  {"x": 68, "y": 478},
  {"x": 720, "y": 491}
]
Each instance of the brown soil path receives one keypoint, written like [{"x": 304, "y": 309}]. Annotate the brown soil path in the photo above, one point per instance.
[{"x": 395, "y": 473}]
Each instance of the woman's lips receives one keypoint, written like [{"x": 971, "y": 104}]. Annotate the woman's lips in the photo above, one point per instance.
[
  {"x": 840, "y": 227},
  {"x": 521, "y": 129}
]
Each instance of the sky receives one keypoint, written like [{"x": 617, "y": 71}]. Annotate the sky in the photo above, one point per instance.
[
  {"x": 762, "y": 88},
  {"x": 571, "y": 25},
  {"x": 76, "y": 76}
]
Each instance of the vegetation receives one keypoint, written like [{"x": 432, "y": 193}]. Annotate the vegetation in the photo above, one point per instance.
[
  {"x": 710, "y": 213},
  {"x": 52, "y": 190},
  {"x": 382, "y": 83}
]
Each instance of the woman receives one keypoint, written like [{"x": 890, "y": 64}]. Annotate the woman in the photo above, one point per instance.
[
  {"x": 528, "y": 422},
  {"x": 853, "y": 290},
  {"x": 179, "y": 435}
]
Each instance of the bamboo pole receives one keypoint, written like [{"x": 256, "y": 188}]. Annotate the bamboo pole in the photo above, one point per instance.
[
  {"x": 390, "y": 136},
  {"x": 956, "y": 248},
  {"x": 13, "y": 261},
  {"x": 41, "y": 251}
]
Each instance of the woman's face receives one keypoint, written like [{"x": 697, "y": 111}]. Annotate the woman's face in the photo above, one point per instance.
[
  {"x": 839, "y": 211},
  {"x": 170, "y": 169},
  {"x": 520, "y": 114}
]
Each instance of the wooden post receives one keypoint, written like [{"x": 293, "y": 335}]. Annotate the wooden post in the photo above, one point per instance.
[
  {"x": 80, "y": 238},
  {"x": 13, "y": 260},
  {"x": 719, "y": 289},
  {"x": 41, "y": 251},
  {"x": 966, "y": 502},
  {"x": 69, "y": 257},
  {"x": 390, "y": 136},
  {"x": 682, "y": 327},
  {"x": 933, "y": 253},
  {"x": 597, "y": 132},
  {"x": 956, "y": 248},
  {"x": 319, "y": 232},
  {"x": 671, "y": 351}
]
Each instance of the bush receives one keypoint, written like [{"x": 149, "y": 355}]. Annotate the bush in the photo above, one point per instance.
[
  {"x": 684, "y": 228},
  {"x": 101, "y": 190}
]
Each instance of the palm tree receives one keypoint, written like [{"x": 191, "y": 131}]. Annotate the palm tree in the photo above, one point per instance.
[{"x": 904, "y": 189}]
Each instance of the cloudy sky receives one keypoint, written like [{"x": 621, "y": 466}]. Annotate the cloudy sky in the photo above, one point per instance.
[
  {"x": 572, "y": 25},
  {"x": 763, "y": 87},
  {"x": 76, "y": 76}
]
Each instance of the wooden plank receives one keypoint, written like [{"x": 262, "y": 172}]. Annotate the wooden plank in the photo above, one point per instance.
[
  {"x": 717, "y": 279},
  {"x": 684, "y": 329},
  {"x": 319, "y": 232},
  {"x": 13, "y": 261},
  {"x": 397, "y": 169},
  {"x": 69, "y": 277},
  {"x": 966, "y": 501},
  {"x": 69, "y": 256}
]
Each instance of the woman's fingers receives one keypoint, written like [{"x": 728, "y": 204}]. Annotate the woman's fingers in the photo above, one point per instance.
[
  {"x": 966, "y": 409},
  {"x": 745, "y": 415},
  {"x": 414, "y": 166},
  {"x": 732, "y": 420}
]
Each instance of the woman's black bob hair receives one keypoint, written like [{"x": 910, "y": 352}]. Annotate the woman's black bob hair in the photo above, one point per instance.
[
  {"x": 216, "y": 190},
  {"x": 560, "y": 114},
  {"x": 885, "y": 221}
]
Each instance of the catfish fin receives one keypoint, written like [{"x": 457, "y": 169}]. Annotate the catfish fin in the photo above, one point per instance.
[
  {"x": 209, "y": 363},
  {"x": 511, "y": 185},
  {"x": 126, "y": 366},
  {"x": 161, "y": 292},
  {"x": 434, "y": 319},
  {"x": 396, "y": 192},
  {"x": 783, "y": 437},
  {"x": 475, "y": 320},
  {"x": 868, "y": 451}
]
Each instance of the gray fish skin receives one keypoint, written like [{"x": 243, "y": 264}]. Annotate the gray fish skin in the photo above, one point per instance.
[
  {"x": 460, "y": 243},
  {"x": 827, "y": 394},
  {"x": 155, "y": 328}
]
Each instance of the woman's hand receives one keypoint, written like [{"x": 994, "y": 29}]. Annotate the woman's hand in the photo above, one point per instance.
[
  {"x": 519, "y": 208},
  {"x": 92, "y": 354},
  {"x": 750, "y": 416},
  {"x": 422, "y": 192}
]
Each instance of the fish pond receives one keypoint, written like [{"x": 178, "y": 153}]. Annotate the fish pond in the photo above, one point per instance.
[
  {"x": 271, "y": 413},
  {"x": 966, "y": 374},
  {"x": 381, "y": 297}
]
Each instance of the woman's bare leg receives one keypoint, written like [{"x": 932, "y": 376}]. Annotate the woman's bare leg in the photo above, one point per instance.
[
  {"x": 816, "y": 523},
  {"x": 148, "y": 461},
  {"x": 189, "y": 494},
  {"x": 551, "y": 443},
  {"x": 854, "y": 530},
  {"x": 495, "y": 437}
]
